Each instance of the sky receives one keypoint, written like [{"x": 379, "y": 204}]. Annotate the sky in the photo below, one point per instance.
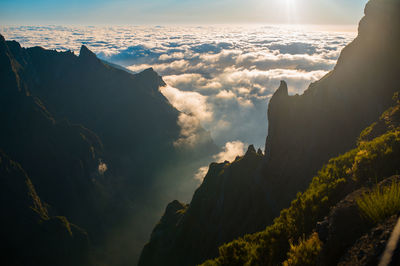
[{"x": 153, "y": 12}]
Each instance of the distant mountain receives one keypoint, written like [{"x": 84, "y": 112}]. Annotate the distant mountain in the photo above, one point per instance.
[
  {"x": 97, "y": 143},
  {"x": 304, "y": 132}
]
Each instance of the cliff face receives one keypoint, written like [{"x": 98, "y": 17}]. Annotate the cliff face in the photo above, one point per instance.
[
  {"x": 60, "y": 158},
  {"x": 304, "y": 132}
]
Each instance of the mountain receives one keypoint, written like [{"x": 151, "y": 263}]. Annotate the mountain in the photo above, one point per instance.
[
  {"x": 97, "y": 143},
  {"x": 30, "y": 235},
  {"x": 304, "y": 132}
]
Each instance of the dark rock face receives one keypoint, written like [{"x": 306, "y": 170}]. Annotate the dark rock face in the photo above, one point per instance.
[
  {"x": 163, "y": 236},
  {"x": 304, "y": 132},
  {"x": 368, "y": 249},
  {"x": 213, "y": 216},
  {"x": 29, "y": 235},
  {"x": 60, "y": 158},
  {"x": 345, "y": 225},
  {"x": 339, "y": 230}
]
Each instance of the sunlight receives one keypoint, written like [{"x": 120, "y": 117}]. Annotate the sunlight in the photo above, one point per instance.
[{"x": 291, "y": 14}]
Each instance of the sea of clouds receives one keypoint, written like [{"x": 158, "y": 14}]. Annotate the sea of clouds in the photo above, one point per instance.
[{"x": 221, "y": 77}]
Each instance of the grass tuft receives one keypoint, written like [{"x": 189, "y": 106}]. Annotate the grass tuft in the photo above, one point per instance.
[{"x": 381, "y": 203}]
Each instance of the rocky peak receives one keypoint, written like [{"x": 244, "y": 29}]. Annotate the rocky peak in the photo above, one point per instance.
[
  {"x": 381, "y": 21},
  {"x": 174, "y": 206},
  {"x": 3, "y": 44},
  {"x": 2, "y": 40},
  {"x": 282, "y": 90},
  {"x": 278, "y": 107},
  {"x": 85, "y": 52},
  {"x": 250, "y": 150},
  {"x": 151, "y": 78},
  {"x": 87, "y": 56}
]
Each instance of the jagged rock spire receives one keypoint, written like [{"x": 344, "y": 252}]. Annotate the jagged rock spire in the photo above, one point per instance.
[
  {"x": 250, "y": 150},
  {"x": 85, "y": 52},
  {"x": 88, "y": 56},
  {"x": 282, "y": 90}
]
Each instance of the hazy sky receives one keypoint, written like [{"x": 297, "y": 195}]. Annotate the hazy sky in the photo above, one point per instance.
[{"x": 92, "y": 12}]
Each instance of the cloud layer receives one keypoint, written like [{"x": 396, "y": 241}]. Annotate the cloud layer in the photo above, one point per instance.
[{"x": 221, "y": 77}]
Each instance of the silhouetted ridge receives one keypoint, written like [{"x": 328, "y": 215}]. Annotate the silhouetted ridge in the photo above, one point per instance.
[
  {"x": 86, "y": 53},
  {"x": 282, "y": 90},
  {"x": 250, "y": 150},
  {"x": 89, "y": 59}
]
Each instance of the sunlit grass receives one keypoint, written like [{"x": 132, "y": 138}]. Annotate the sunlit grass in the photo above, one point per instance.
[{"x": 381, "y": 203}]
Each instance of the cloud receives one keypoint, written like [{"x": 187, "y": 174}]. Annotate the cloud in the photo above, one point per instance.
[
  {"x": 201, "y": 173},
  {"x": 294, "y": 48},
  {"x": 220, "y": 75},
  {"x": 224, "y": 94},
  {"x": 188, "y": 102},
  {"x": 192, "y": 133},
  {"x": 230, "y": 151},
  {"x": 102, "y": 168}
]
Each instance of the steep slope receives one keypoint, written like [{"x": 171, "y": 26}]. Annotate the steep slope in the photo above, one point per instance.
[
  {"x": 61, "y": 159},
  {"x": 304, "y": 132},
  {"x": 29, "y": 235}
]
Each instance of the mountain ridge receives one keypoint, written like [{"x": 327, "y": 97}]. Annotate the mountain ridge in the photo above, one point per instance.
[{"x": 89, "y": 136}]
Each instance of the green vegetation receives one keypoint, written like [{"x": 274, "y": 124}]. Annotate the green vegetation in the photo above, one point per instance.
[
  {"x": 305, "y": 252},
  {"x": 381, "y": 202},
  {"x": 366, "y": 164}
]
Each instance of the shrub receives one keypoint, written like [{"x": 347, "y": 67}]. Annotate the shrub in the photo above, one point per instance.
[
  {"x": 305, "y": 252},
  {"x": 381, "y": 203}
]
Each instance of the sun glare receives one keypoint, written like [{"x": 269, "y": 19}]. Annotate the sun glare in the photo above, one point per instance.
[{"x": 291, "y": 14}]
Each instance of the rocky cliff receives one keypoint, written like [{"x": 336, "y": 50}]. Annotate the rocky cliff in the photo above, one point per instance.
[{"x": 305, "y": 131}]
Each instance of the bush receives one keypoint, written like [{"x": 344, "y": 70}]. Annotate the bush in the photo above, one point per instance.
[
  {"x": 305, "y": 252},
  {"x": 381, "y": 203}
]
